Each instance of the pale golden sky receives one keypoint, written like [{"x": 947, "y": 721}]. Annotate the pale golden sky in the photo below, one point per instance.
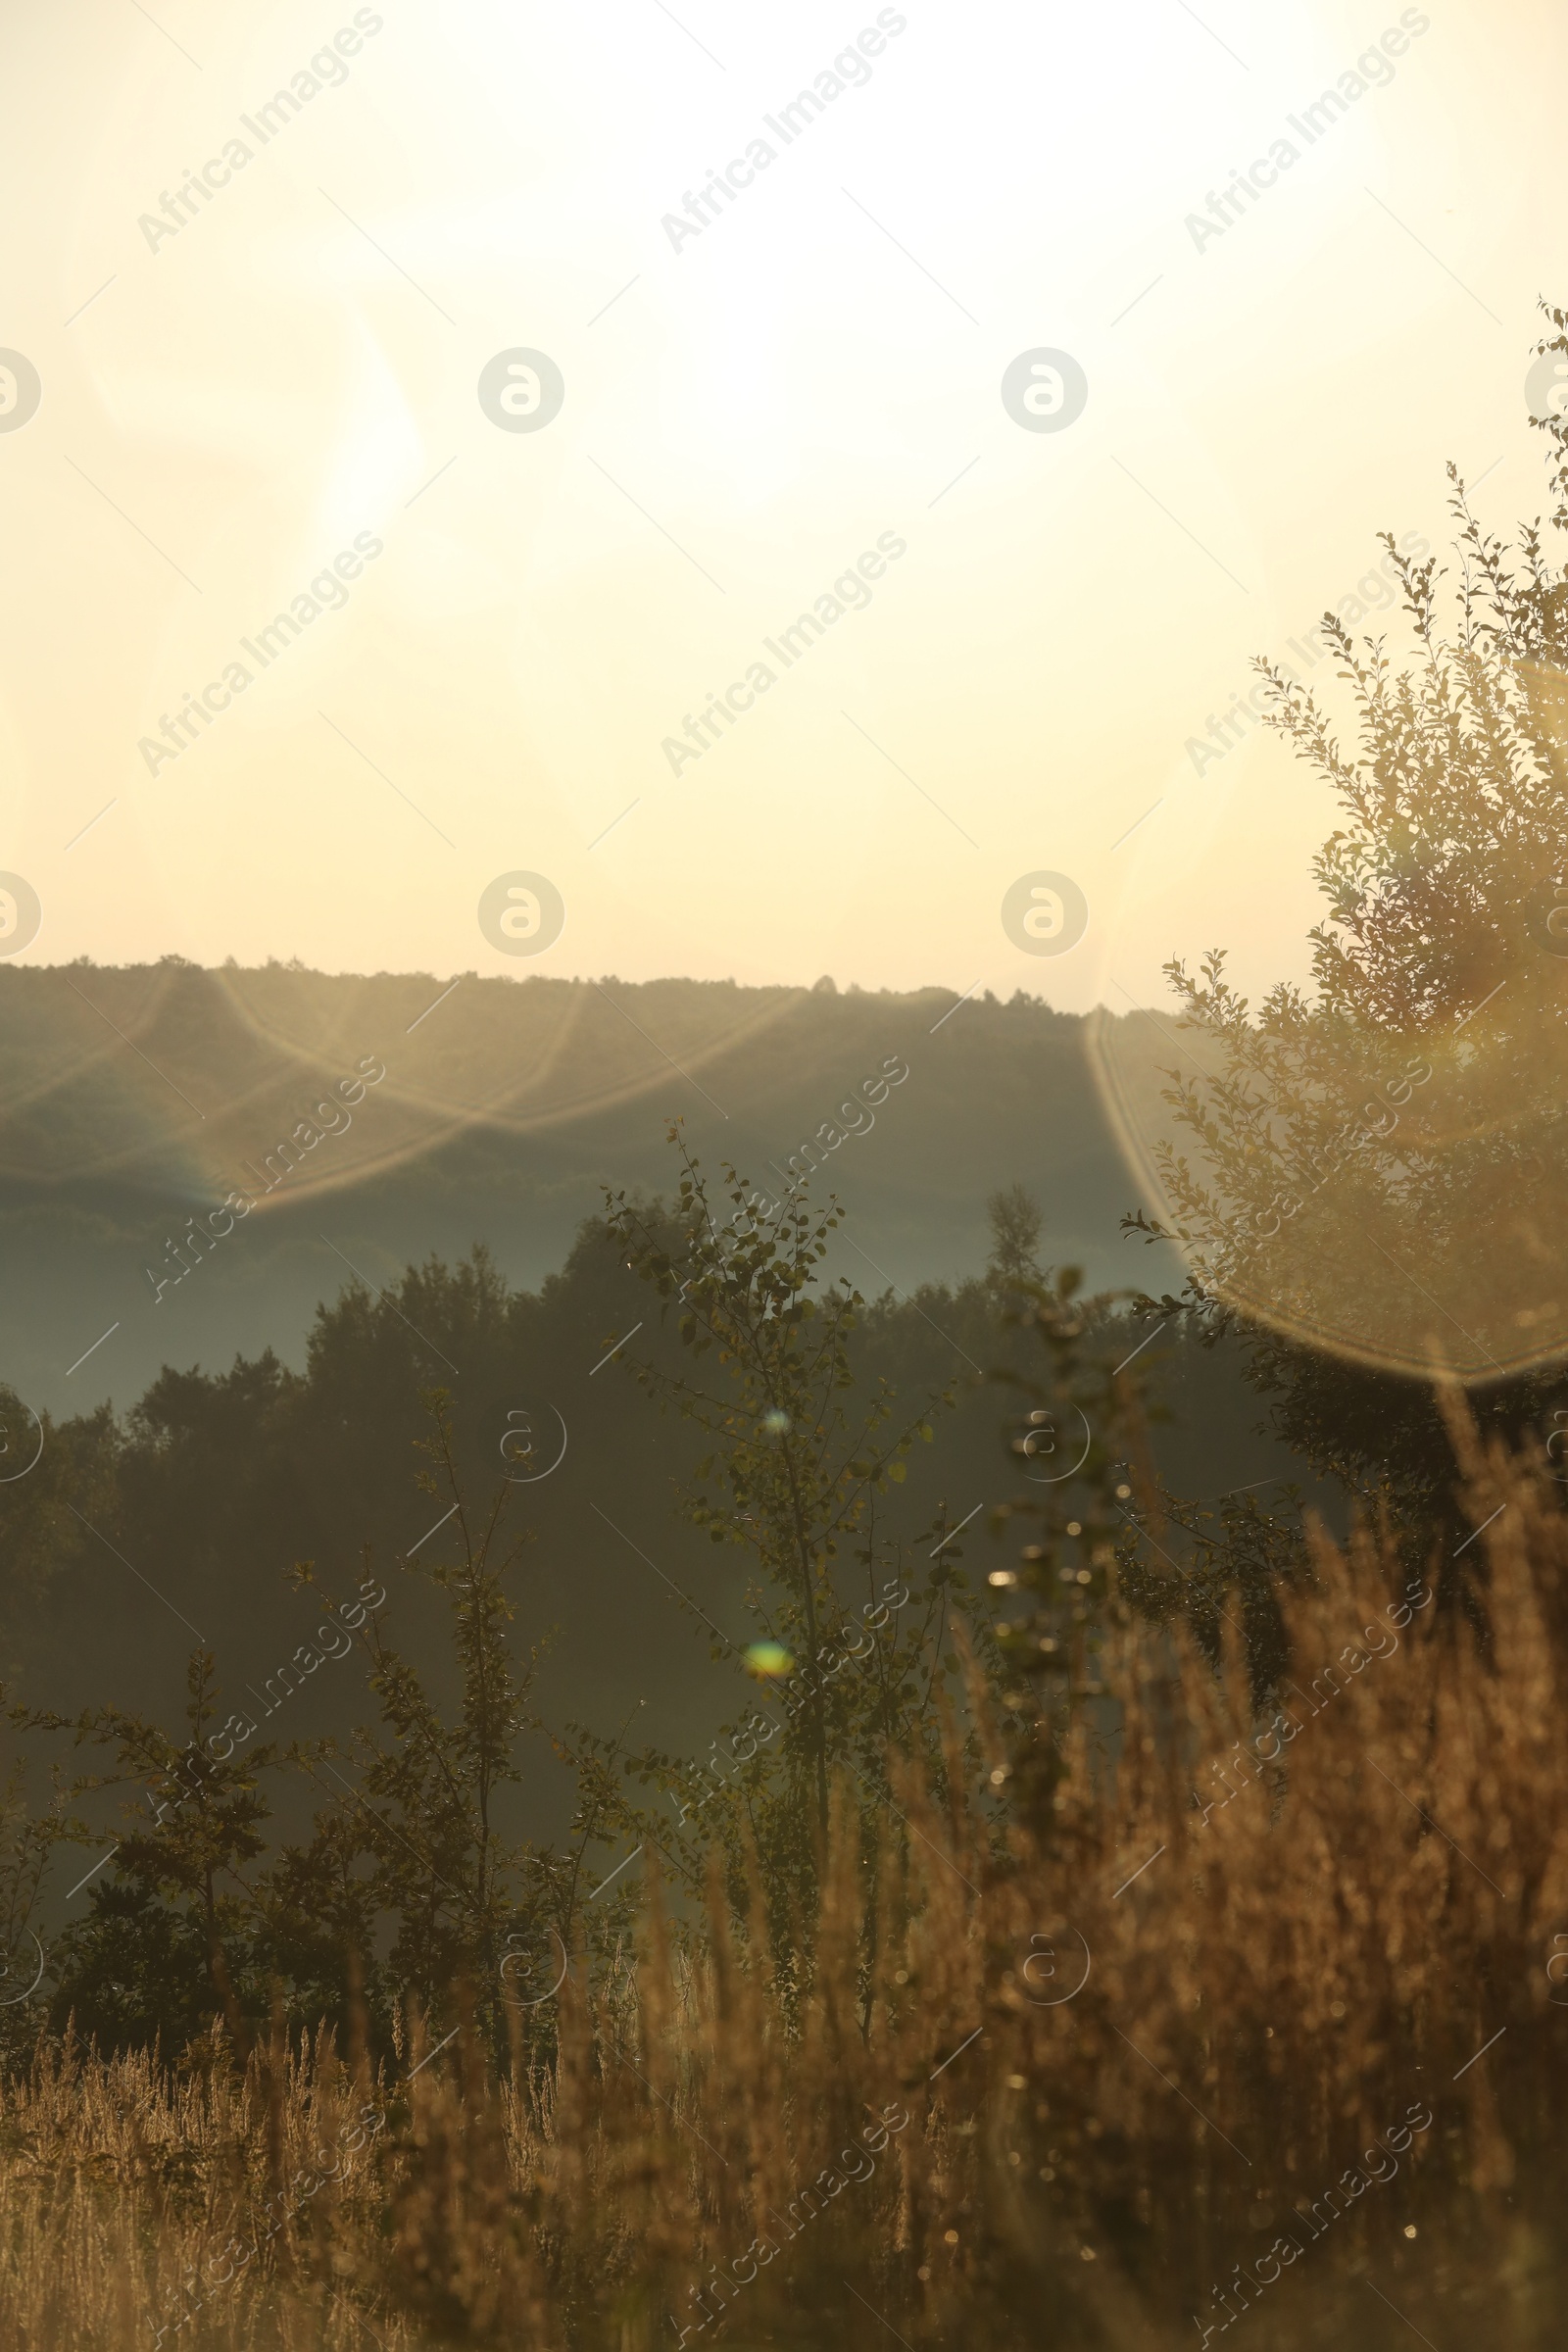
[{"x": 747, "y": 411}]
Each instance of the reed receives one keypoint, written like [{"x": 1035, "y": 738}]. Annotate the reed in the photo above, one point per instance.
[{"x": 1244, "y": 2024}]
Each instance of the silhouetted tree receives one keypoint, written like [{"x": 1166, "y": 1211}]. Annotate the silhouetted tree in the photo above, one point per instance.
[
  {"x": 1015, "y": 1219},
  {"x": 1368, "y": 1175}
]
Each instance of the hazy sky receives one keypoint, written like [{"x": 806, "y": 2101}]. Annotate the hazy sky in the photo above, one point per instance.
[{"x": 749, "y": 408}]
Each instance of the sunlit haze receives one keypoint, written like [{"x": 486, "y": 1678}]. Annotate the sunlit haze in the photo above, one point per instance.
[{"x": 240, "y": 387}]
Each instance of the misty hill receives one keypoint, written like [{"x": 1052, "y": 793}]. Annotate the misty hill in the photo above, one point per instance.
[
  {"x": 311, "y": 1127},
  {"x": 360, "y": 1124}
]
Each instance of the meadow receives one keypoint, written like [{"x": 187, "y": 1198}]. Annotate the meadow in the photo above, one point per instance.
[{"x": 1193, "y": 2033}]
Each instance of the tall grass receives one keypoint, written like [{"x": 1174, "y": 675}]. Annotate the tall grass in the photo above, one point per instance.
[{"x": 1188, "y": 2049}]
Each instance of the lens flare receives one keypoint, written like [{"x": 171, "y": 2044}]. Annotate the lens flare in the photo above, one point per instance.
[{"x": 770, "y": 1661}]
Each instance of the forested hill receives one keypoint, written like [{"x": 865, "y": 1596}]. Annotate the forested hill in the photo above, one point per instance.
[
  {"x": 363, "y": 1122},
  {"x": 136, "y": 1540}
]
